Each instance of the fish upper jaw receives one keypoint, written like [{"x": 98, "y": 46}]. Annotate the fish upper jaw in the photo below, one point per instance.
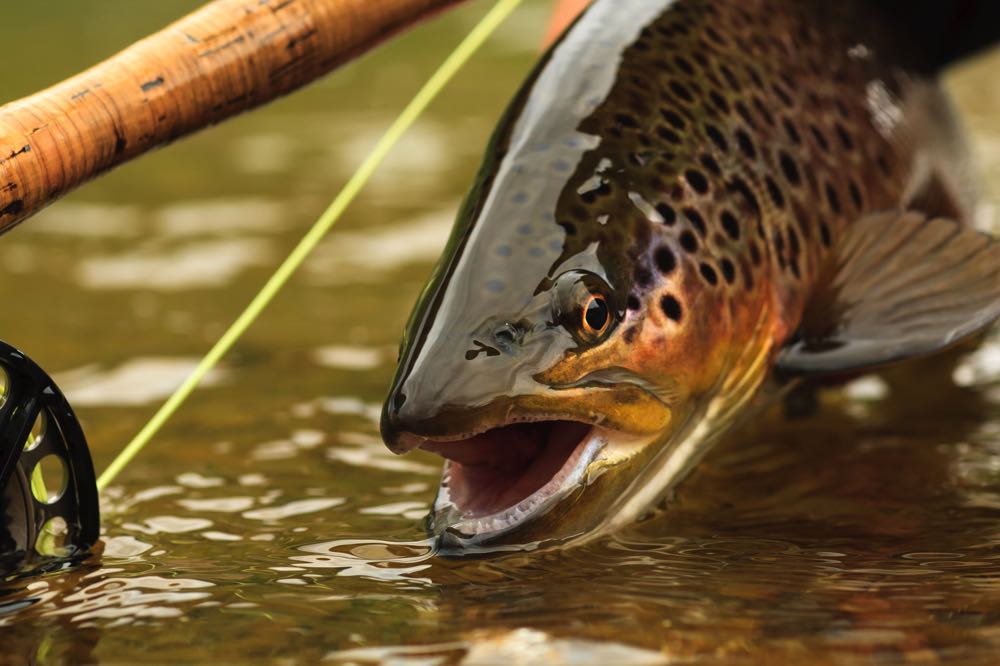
[{"x": 630, "y": 409}]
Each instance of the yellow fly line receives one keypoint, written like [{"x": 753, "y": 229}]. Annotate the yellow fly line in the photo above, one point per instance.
[{"x": 462, "y": 53}]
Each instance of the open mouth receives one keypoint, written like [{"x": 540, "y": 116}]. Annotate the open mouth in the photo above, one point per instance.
[{"x": 507, "y": 475}]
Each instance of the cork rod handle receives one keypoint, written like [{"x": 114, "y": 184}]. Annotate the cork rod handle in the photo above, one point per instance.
[{"x": 225, "y": 58}]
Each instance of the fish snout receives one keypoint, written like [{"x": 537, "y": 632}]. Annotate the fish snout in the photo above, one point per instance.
[{"x": 399, "y": 420}]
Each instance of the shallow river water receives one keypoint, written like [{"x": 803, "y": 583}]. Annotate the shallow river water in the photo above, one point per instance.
[{"x": 268, "y": 523}]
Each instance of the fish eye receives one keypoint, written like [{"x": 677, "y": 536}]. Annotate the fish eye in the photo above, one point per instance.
[
  {"x": 583, "y": 305},
  {"x": 596, "y": 315}
]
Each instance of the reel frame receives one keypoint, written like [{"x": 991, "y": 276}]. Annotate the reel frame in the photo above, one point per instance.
[{"x": 37, "y": 423}]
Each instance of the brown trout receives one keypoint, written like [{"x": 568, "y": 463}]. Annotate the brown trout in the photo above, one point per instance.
[{"x": 690, "y": 205}]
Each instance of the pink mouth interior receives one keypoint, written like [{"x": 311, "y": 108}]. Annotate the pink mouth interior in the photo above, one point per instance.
[{"x": 498, "y": 469}]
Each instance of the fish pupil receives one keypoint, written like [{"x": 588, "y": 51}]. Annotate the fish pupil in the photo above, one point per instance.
[{"x": 596, "y": 315}]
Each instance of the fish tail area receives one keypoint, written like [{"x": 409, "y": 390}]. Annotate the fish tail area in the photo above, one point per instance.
[{"x": 945, "y": 32}]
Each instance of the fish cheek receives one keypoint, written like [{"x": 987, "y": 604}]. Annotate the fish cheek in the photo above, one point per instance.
[{"x": 684, "y": 341}]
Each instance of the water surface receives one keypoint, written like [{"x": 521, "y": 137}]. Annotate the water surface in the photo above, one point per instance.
[{"x": 268, "y": 523}]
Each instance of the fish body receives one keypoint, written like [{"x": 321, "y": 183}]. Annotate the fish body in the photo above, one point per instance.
[{"x": 684, "y": 197}]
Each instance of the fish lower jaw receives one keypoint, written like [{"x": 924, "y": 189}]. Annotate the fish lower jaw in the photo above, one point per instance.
[{"x": 598, "y": 449}]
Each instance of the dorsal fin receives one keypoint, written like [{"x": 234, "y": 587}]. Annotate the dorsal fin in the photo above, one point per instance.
[{"x": 899, "y": 286}]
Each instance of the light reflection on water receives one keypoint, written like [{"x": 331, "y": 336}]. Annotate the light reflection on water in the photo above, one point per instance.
[
  {"x": 268, "y": 521},
  {"x": 869, "y": 535}
]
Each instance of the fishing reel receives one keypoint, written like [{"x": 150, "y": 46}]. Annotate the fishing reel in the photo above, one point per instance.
[{"x": 48, "y": 492}]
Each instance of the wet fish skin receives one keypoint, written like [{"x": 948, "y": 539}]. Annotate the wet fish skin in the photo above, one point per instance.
[{"x": 700, "y": 162}]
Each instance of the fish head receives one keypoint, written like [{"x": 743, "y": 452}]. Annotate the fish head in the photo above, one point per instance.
[{"x": 543, "y": 360}]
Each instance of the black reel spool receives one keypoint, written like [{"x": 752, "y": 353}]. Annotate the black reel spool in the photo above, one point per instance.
[{"x": 57, "y": 515}]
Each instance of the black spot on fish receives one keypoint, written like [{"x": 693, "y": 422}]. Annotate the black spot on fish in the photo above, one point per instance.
[
  {"x": 696, "y": 220},
  {"x": 633, "y": 302},
  {"x": 728, "y": 270},
  {"x": 708, "y": 273},
  {"x": 681, "y": 91},
  {"x": 820, "y": 138},
  {"x": 845, "y": 136},
  {"x": 739, "y": 185},
  {"x": 730, "y": 78},
  {"x": 668, "y": 135},
  {"x": 481, "y": 348},
  {"x": 764, "y": 112},
  {"x": 832, "y": 198},
  {"x": 696, "y": 179},
  {"x": 775, "y": 192},
  {"x": 746, "y": 144},
  {"x": 792, "y": 132},
  {"x": 684, "y": 65},
  {"x": 782, "y": 94},
  {"x": 665, "y": 260},
  {"x": 671, "y": 307},
  {"x": 716, "y": 137},
  {"x": 744, "y": 113},
  {"x": 789, "y": 168},
  {"x": 711, "y": 33},
  {"x": 755, "y": 256},
  {"x": 719, "y": 101},
  {"x": 824, "y": 233},
  {"x": 504, "y": 250},
  {"x": 689, "y": 242},
  {"x": 856, "y": 195},
  {"x": 673, "y": 118},
  {"x": 710, "y": 164},
  {"x": 667, "y": 212},
  {"x": 730, "y": 224}
]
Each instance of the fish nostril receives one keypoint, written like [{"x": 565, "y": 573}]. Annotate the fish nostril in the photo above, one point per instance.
[{"x": 504, "y": 336}]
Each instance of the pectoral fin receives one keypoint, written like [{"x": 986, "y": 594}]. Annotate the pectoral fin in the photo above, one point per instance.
[{"x": 899, "y": 286}]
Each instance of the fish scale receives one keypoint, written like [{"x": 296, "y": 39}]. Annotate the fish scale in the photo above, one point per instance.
[{"x": 689, "y": 204}]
